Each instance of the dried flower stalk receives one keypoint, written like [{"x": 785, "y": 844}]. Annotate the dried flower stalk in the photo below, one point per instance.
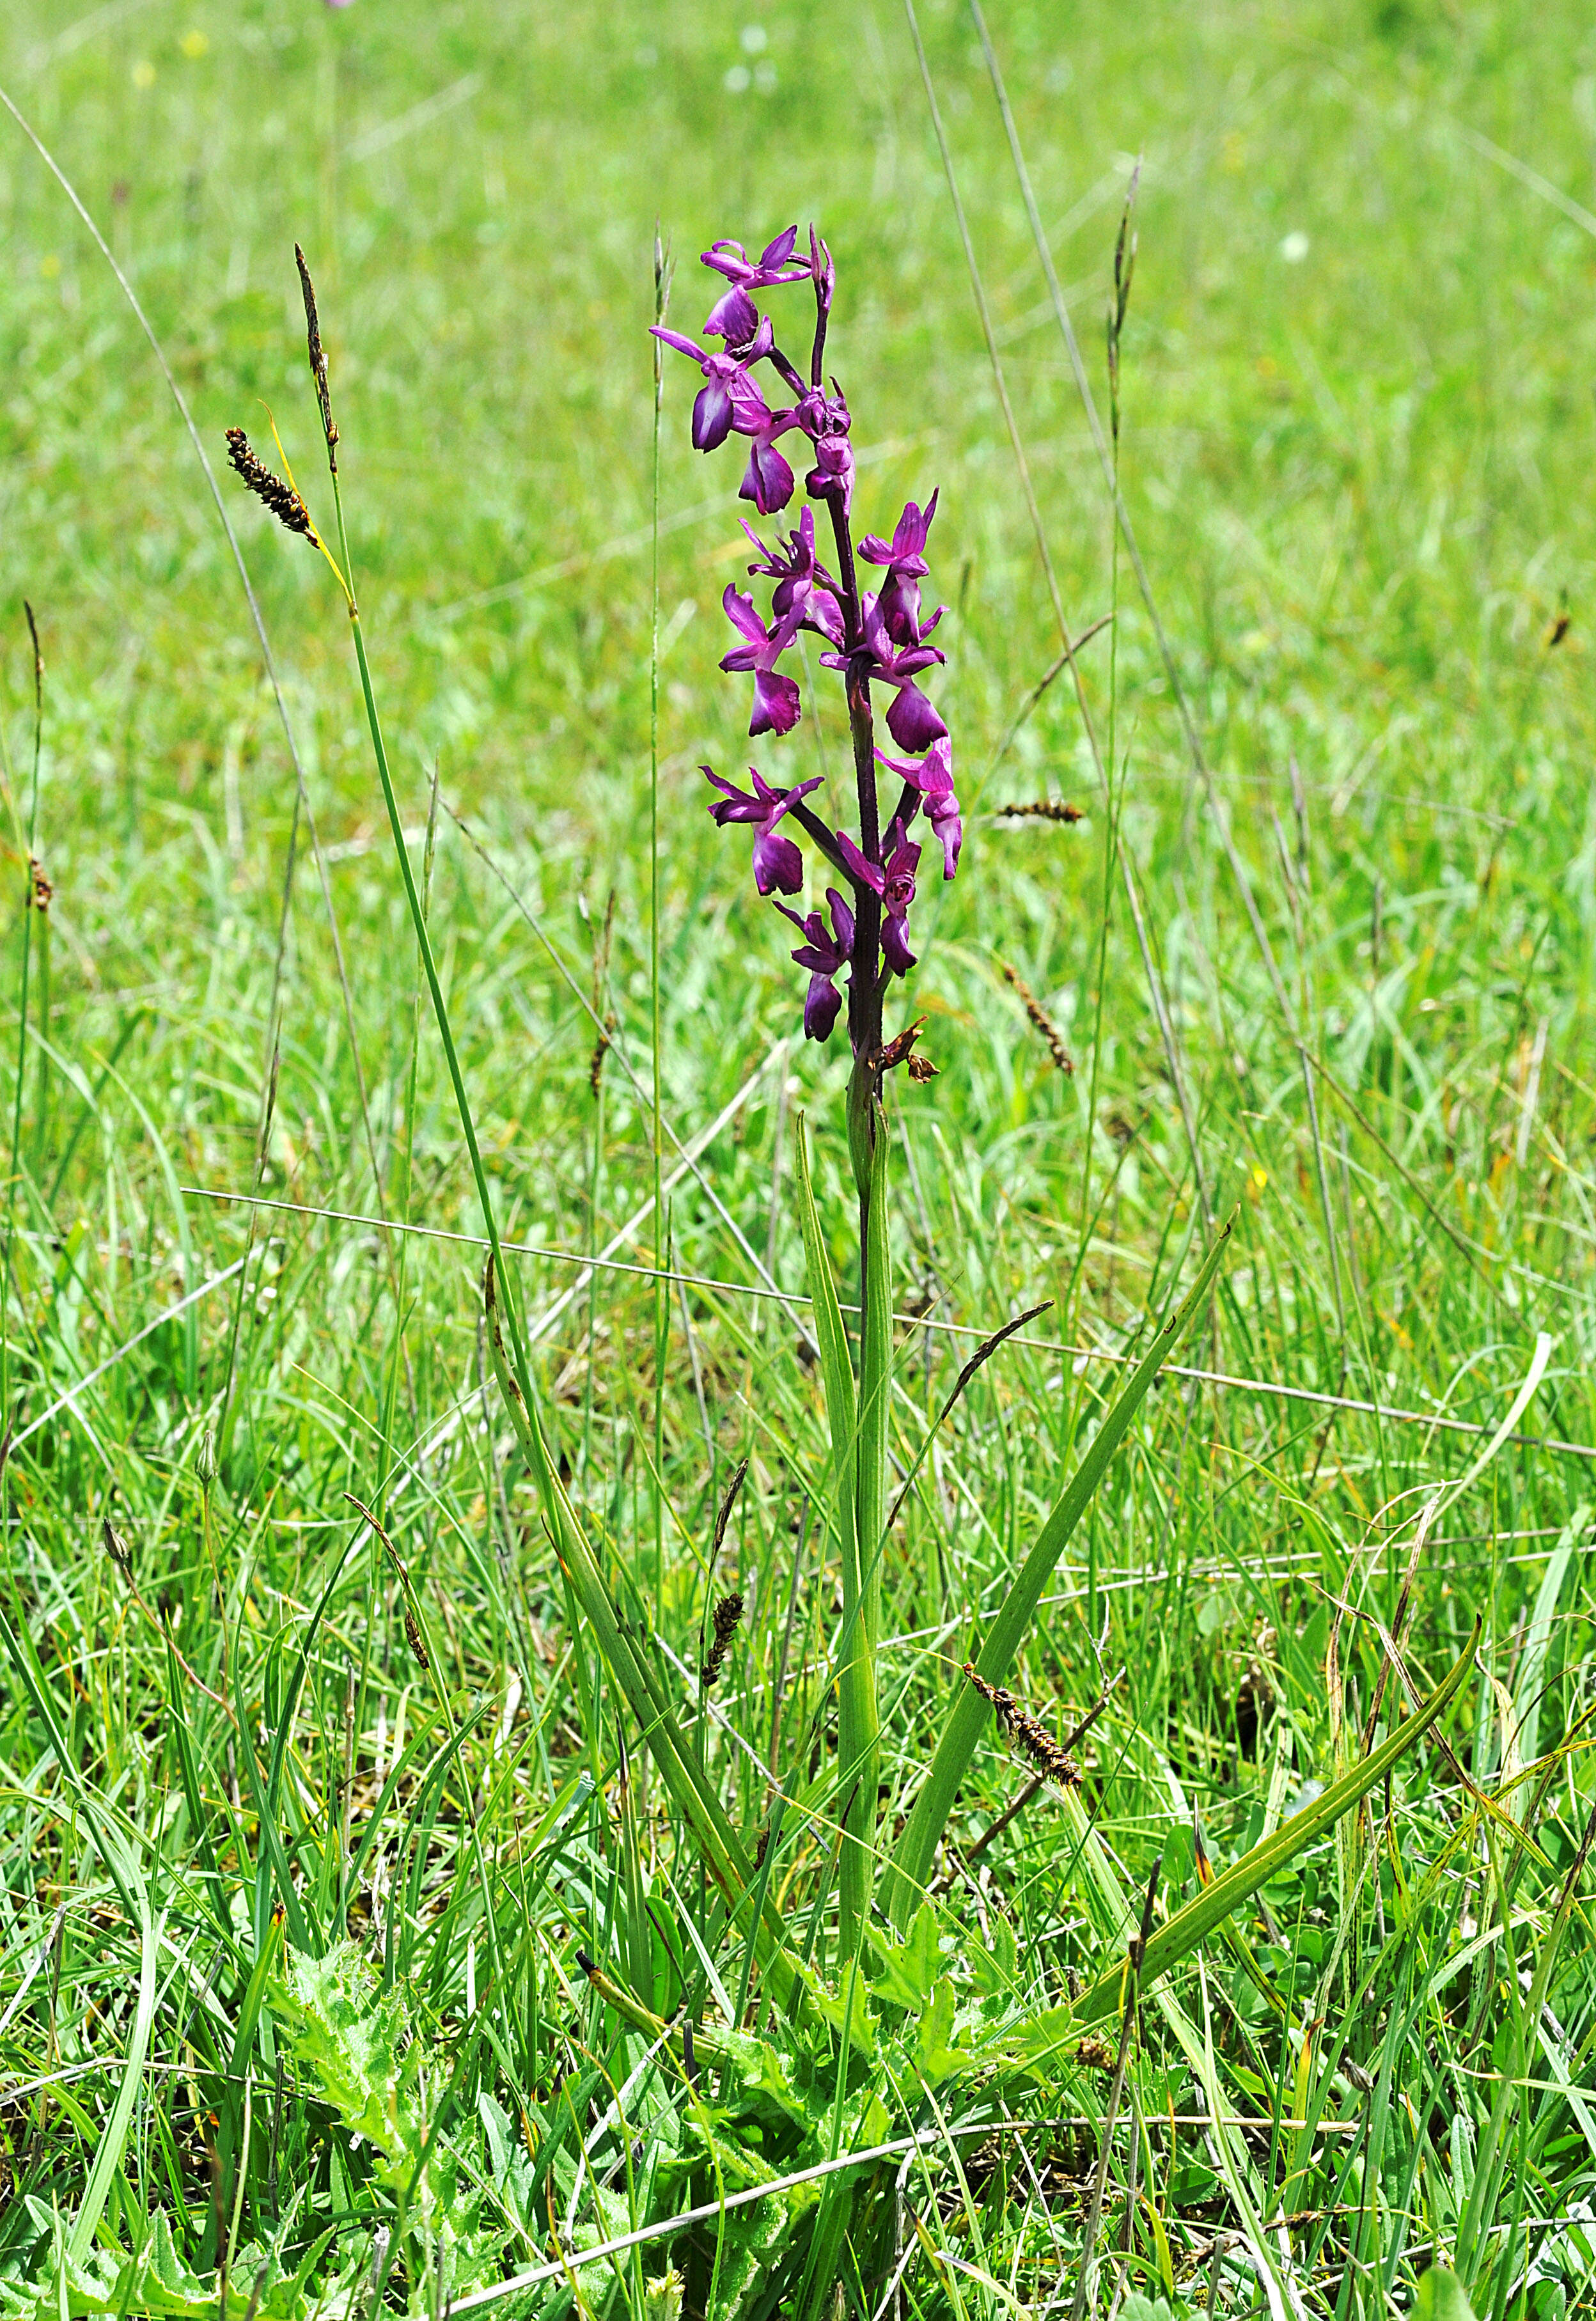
[
  {"x": 1040, "y": 1021},
  {"x": 281, "y": 498},
  {"x": 724, "y": 1624},
  {"x": 1029, "y": 1735}
]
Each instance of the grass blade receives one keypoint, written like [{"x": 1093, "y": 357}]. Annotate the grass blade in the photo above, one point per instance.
[
  {"x": 112, "y": 2145},
  {"x": 1182, "y": 1934}
]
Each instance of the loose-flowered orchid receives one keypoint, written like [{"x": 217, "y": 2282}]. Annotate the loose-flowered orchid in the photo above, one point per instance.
[
  {"x": 734, "y": 316},
  {"x": 778, "y": 866},
  {"x": 824, "y": 952},
  {"x": 880, "y": 639},
  {"x": 933, "y": 777},
  {"x": 776, "y": 702}
]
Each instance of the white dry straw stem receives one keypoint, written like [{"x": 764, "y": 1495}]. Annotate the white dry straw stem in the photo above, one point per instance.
[{"x": 607, "y": 1264}]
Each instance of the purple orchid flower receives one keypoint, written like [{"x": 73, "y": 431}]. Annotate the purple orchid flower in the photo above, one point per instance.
[
  {"x": 802, "y": 586},
  {"x": 776, "y": 862},
  {"x": 735, "y": 316},
  {"x": 728, "y": 389},
  {"x": 894, "y": 882},
  {"x": 933, "y": 777},
  {"x": 912, "y": 722},
  {"x": 825, "y": 421},
  {"x": 766, "y": 480},
  {"x": 824, "y": 954},
  {"x": 905, "y": 559},
  {"x": 776, "y": 700}
]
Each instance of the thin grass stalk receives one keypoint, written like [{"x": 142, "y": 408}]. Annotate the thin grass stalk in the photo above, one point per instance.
[
  {"x": 1108, "y": 460},
  {"x": 1112, "y": 805},
  {"x": 1155, "y": 992},
  {"x": 402, "y": 1268},
  {"x": 440, "y": 1006},
  {"x": 40, "y": 905},
  {"x": 1083, "y": 386},
  {"x": 662, "y": 1290},
  {"x": 22, "y": 1032}
]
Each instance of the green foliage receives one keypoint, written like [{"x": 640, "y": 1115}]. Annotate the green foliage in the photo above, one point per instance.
[
  {"x": 1438, "y": 2296},
  {"x": 1354, "y": 392},
  {"x": 351, "y": 2037}
]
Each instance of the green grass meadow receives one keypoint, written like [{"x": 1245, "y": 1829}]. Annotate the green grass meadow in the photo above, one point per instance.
[{"x": 302, "y": 1832}]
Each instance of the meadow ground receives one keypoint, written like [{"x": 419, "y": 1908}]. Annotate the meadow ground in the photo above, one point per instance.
[{"x": 1351, "y": 811}]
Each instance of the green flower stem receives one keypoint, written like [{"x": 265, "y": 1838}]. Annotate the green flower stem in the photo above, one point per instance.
[{"x": 854, "y": 1445}]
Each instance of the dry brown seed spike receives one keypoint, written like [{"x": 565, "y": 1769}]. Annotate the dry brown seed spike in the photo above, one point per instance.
[
  {"x": 281, "y": 498},
  {"x": 727, "y": 1612},
  {"x": 1043, "y": 810},
  {"x": 318, "y": 360},
  {"x": 1040, "y": 1020},
  {"x": 1029, "y": 1735}
]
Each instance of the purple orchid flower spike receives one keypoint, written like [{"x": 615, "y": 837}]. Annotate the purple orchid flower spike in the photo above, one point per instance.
[
  {"x": 933, "y": 777},
  {"x": 802, "y": 586},
  {"x": 879, "y": 643},
  {"x": 905, "y": 559},
  {"x": 825, "y": 953},
  {"x": 778, "y": 866},
  {"x": 775, "y": 699},
  {"x": 894, "y": 881},
  {"x": 733, "y": 316},
  {"x": 728, "y": 386}
]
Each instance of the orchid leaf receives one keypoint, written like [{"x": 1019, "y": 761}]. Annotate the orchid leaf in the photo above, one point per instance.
[{"x": 968, "y": 1716}]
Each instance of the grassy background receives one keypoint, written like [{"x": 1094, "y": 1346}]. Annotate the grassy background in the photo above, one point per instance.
[{"x": 1358, "y": 444}]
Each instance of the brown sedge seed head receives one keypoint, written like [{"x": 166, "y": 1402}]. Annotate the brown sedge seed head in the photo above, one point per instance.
[
  {"x": 1029, "y": 1735},
  {"x": 318, "y": 359},
  {"x": 727, "y": 1615},
  {"x": 271, "y": 490}
]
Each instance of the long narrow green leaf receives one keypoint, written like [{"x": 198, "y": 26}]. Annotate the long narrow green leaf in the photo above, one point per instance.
[
  {"x": 116, "y": 1851},
  {"x": 969, "y": 1715},
  {"x": 112, "y": 2145},
  {"x": 1181, "y": 1935}
]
